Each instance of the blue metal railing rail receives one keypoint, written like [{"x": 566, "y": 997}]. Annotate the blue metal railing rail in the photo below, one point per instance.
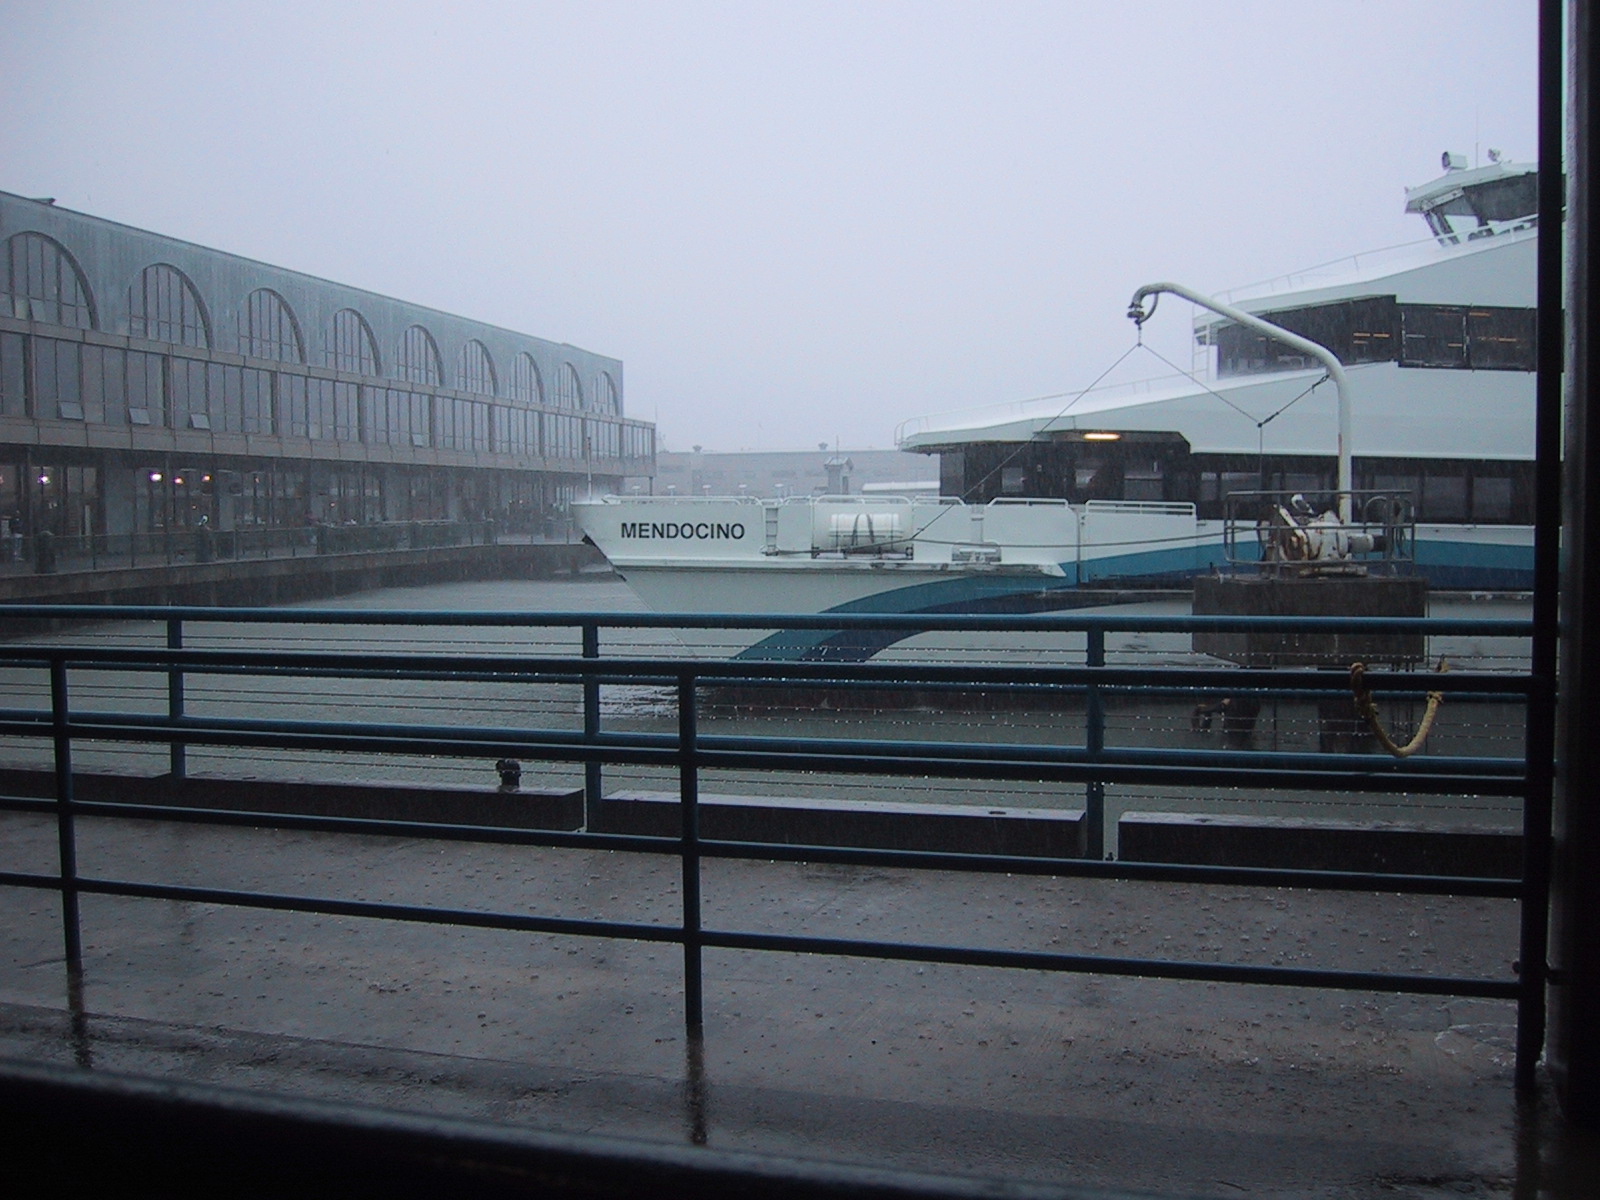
[{"x": 689, "y": 751}]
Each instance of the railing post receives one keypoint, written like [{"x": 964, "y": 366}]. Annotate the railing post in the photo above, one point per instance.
[
  {"x": 66, "y": 839},
  {"x": 177, "y": 751},
  {"x": 689, "y": 799},
  {"x": 1094, "y": 799},
  {"x": 592, "y": 781}
]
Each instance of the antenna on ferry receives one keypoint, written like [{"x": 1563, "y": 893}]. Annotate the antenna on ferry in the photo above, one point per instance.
[{"x": 1152, "y": 291}]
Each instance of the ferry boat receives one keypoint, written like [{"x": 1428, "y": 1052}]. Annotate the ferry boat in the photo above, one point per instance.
[{"x": 1046, "y": 504}]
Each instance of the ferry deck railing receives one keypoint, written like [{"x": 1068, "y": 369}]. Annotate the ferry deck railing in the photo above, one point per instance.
[{"x": 163, "y": 650}]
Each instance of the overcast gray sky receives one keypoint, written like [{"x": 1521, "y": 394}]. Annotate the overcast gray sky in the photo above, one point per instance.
[{"x": 793, "y": 221}]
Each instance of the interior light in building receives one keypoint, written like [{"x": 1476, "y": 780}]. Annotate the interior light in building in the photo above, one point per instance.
[
  {"x": 155, "y": 476},
  {"x": 44, "y": 479},
  {"x": 1102, "y": 436}
]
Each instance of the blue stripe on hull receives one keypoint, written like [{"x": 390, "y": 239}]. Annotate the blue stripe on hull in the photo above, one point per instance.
[{"x": 1453, "y": 565}]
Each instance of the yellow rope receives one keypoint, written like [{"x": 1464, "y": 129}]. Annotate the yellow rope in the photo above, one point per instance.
[{"x": 1367, "y": 709}]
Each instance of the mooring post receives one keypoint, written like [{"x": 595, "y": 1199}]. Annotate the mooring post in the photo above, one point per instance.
[
  {"x": 689, "y": 800},
  {"x": 177, "y": 752},
  {"x": 592, "y": 780},
  {"x": 1094, "y": 799},
  {"x": 66, "y": 836}
]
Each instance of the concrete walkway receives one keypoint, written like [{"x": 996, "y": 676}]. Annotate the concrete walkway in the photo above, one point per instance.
[{"x": 1095, "y": 1081}]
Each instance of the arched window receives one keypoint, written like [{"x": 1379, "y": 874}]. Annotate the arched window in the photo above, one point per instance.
[
  {"x": 525, "y": 382},
  {"x": 267, "y": 328},
  {"x": 43, "y": 283},
  {"x": 353, "y": 348},
  {"x": 419, "y": 358},
  {"x": 569, "y": 391},
  {"x": 164, "y": 307},
  {"x": 607, "y": 401},
  {"x": 475, "y": 371}
]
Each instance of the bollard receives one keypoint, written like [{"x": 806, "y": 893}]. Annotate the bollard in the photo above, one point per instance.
[{"x": 510, "y": 771}]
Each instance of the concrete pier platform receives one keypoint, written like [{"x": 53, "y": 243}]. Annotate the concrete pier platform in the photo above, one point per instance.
[{"x": 1087, "y": 1081}]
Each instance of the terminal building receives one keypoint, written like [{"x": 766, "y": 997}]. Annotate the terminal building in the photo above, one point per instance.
[{"x": 149, "y": 385}]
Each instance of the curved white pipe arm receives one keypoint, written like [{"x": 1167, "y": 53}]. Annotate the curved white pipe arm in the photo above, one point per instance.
[{"x": 1322, "y": 354}]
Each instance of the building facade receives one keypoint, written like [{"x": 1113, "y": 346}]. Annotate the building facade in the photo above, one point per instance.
[{"x": 148, "y": 384}]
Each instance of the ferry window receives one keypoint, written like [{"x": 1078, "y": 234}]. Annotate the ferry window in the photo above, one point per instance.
[
  {"x": 952, "y": 475},
  {"x": 1356, "y": 331},
  {"x": 1394, "y": 485},
  {"x": 1374, "y": 331},
  {"x": 1143, "y": 479},
  {"x": 1505, "y": 199},
  {"x": 1217, "y": 486},
  {"x": 1304, "y": 483},
  {"x": 1500, "y": 339},
  {"x": 1444, "y": 497},
  {"x": 1491, "y": 499},
  {"x": 1433, "y": 335}
]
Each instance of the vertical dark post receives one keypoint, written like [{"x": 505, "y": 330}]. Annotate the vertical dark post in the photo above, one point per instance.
[
  {"x": 689, "y": 800},
  {"x": 177, "y": 751},
  {"x": 1094, "y": 799},
  {"x": 1540, "y": 739},
  {"x": 66, "y": 839},
  {"x": 1573, "y": 1051},
  {"x": 592, "y": 781}
]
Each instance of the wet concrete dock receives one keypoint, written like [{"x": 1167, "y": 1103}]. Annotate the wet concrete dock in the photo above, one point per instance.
[{"x": 1172, "y": 1088}]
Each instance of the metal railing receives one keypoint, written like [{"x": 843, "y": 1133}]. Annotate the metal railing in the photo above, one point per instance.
[{"x": 168, "y": 650}]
